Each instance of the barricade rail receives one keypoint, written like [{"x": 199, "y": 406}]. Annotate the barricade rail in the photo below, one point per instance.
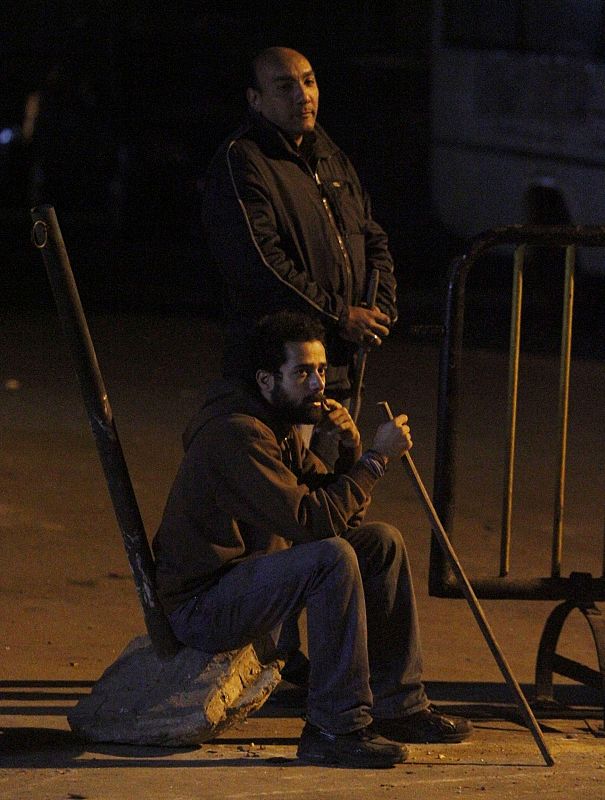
[{"x": 580, "y": 589}]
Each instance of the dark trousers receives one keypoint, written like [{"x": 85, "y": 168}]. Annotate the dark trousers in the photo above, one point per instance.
[{"x": 364, "y": 646}]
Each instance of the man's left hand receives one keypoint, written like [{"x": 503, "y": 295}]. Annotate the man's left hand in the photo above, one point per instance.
[
  {"x": 367, "y": 326},
  {"x": 338, "y": 422}
]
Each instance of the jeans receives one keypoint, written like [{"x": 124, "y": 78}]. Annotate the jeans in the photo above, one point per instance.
[{"x": 363, "y": 640}]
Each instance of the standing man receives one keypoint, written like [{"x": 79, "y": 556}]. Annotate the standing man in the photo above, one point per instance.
[
  {"x": 255, "y": 529},
  {"x": 289, "y": 224}
]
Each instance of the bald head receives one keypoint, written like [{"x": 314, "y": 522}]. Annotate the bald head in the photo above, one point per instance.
[
  {"x": 272, "y": 58},
  {"x": 284, "y": 90}
]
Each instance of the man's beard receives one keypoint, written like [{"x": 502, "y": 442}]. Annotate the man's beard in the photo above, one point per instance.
[{"x": 296, "y": 413}]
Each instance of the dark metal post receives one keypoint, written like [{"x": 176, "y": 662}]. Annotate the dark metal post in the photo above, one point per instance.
[
  {"x": 450, "y": 379},
  {"x": 47, "y": 237}
]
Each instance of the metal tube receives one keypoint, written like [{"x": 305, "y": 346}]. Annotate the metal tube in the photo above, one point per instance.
[
  {"x": 47, "y": 237},
  {"x": 448, "y": 421},
  {"x": 513, "y": 391},
  {"x": 603, "y": 569},
  {"x": 566, "y": 334},
  {"x": 448, "y": 550},
  {"x": 362, "y": 350}
]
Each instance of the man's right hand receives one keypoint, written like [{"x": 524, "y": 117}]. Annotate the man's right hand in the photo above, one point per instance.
[
  {"x": 393, "y": 438},
  {"x": 365, "y": 326}
]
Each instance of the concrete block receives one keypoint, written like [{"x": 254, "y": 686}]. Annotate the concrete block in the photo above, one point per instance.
[{"x": 141, "y": 699}]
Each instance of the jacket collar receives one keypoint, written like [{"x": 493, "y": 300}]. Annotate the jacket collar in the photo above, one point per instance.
[{"x": 274, "y": 141}]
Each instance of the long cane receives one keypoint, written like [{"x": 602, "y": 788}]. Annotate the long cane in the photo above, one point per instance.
[
  {"x": 471, "y": 598},
  {"x": 362, "y": 352}
]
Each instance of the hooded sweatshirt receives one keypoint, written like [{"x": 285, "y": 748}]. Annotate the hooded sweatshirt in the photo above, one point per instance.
[{"x": 248, "y": 486}]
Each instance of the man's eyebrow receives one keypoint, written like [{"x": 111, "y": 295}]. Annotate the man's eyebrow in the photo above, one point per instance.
[
  {"x": 287, "y": 78},
  {"x": 309, "y": 364}
]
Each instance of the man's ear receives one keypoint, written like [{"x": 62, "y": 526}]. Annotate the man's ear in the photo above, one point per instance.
[
  {"x": 253, "y": 98},
  {"x": 265, "y": 381}
]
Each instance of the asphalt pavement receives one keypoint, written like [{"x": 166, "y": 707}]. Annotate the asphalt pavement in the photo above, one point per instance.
[{"x": 69, "y": 605}]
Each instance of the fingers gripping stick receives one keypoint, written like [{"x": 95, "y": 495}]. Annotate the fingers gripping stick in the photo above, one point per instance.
[{"x": 446, "y": 546}]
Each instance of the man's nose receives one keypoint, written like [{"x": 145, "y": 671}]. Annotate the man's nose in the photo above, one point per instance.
[
  {"x": 317, "y": 380},
  {"x": 300, "y": 93}
]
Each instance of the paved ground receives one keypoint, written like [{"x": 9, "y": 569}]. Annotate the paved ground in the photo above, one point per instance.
[{"x": 69, "y": 607}]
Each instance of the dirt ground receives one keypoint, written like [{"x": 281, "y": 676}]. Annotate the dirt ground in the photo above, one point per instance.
[{"x": 69, "y": 605}]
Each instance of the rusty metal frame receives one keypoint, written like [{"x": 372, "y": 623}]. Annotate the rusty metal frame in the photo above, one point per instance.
[
  {"x": 579, "y": 590},
  {"x": 441, "y": 580}
]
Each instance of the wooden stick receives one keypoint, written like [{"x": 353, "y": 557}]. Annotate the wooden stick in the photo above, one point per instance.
[{"x": 471, "y": 597}]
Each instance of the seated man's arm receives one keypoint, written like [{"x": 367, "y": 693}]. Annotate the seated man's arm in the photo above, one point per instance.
[{"x": 255, "y": 487}]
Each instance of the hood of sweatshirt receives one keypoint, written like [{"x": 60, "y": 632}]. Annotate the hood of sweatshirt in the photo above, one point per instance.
[{"x": 225, "y": 397}]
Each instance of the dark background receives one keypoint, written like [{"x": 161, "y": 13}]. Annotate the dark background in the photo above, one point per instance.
[{"x": 135, "y": 98}]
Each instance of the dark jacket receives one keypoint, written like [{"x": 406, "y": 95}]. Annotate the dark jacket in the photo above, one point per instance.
[
  {"x": 247, "y": 486},
  {"x": 293, "y": 229}
]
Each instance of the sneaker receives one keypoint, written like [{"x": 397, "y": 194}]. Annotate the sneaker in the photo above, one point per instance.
[
  {"x": 425, "y": 727},
  {"x": 361, "y": 748}
]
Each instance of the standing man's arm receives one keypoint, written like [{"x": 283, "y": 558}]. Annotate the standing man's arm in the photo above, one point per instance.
[
  {"x": 242, "y": 232},
  {"x": 379, "y": 257},
  {"x": 359, "y": 323}
]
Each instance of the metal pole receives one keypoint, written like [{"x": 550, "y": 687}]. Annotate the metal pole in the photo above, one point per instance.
[
  {"x": 362, "y": 352},
  {"x": 513, "y": 392},
  {"x": 566, "y": 331},
  {"x": 46, "y": 236},
  {"x": 472, "y": 600},
  {"x": 603, "y": 566},
  {"x": 448, "y": 416}
]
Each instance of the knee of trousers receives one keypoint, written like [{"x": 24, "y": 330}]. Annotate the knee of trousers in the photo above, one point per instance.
[
  {"x": 386, "y": 540},
  {"x": 337, "y": 554}
]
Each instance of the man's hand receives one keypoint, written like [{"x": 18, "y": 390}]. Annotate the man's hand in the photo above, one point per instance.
[
  {"x": 393, "y": 438},
  {"x": 365, "y": 326},
  {"x": 338, "y": 422}
]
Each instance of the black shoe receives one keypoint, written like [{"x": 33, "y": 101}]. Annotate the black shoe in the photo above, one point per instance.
[
  {"x": 425, "y": 727},
  {"x": 361, "y": 748}
]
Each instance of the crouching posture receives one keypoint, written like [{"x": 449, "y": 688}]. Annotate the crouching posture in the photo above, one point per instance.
[{"x": 256, "y": 529}]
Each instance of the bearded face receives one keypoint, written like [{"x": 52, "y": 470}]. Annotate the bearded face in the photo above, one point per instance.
[
  {"x": 306, "y": 411},
  {"x": 296, "y": 389}
]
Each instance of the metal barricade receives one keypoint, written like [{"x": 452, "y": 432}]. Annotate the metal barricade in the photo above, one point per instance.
[{"x": 579, "y": 590}]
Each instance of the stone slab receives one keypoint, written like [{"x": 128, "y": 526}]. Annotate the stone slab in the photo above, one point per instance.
[{"x": 184, "y": 700}]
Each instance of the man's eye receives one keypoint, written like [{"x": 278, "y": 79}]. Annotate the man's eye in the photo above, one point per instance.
[{"x": 310, "y": 82}]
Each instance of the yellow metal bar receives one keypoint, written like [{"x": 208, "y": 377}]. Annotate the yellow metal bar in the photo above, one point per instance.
[
  {"x": 566, "y": 332},
  {"x": 603, "y": 572},
  {"x": 513, "y": 389}
]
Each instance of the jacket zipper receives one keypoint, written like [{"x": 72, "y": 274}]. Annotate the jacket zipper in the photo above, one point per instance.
[{"x": 339, "y": 239}]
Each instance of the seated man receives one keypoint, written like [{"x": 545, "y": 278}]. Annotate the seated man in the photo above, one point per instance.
[{"x": 255, "y": 529}]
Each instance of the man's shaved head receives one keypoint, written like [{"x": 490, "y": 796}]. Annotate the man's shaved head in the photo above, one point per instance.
[
  {"x": 284, "y": 90},
  {"x": 269, "y": 59}
]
